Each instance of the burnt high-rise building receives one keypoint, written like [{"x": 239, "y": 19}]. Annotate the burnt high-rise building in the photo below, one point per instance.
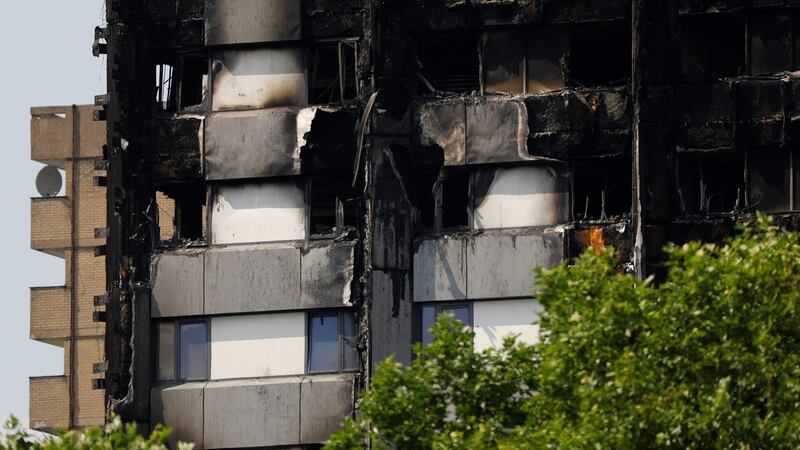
[{"x": 339, "y": 172}]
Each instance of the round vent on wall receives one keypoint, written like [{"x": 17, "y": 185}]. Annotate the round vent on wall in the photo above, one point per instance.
[{"x": 48, "y": 182}]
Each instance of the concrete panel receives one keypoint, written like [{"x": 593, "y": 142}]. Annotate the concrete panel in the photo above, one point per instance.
[
  {"x": 494, "y": 320},
  {"x": 443, "y": 125},
  {"x": 251, "y": 144},
  {"x": 247, "y": 21},
  {"x": 258, "y": 78},
  {"x": 246, "y": 346},
  {"x": 497, "y": 132},
  {"x": 180, "y": 408},
  {"x": 391, "y": 316},
  {"x": 252, "y": 413},
  {"x": 258, "y": 212},
  {"x": 501, "y": 266},
  {"x": 326, "y": 276},
  {"x": 252, "y": 279},
  {"x": 325, "y": 401},
  {"x": 523, "y": 196},
  {"x": 177, "y": 282},
  {"x": 440, "y": 270}
]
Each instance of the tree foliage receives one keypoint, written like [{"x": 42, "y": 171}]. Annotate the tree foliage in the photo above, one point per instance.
[
  {"x": 113, "y": 436},
  {"x": 708, "y": 359}
]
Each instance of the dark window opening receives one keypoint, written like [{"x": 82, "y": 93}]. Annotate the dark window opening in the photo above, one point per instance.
[
  {"x": 601, "y": 188},
  {"x": 770, "y": 179},
  {"x": 164, "y": 92},
  {"x": 544, "y": 54},
  {"x": 332, "y": 344},
  {"x": 424, "y": 182},
  {"x": 600, "y": 55},
  {"x": 194, "y": 81},
  {"x": 448, "y": 63},
  {"x": 430, "y": 313},
  {"x": 771, "y": 48},
  {"x": 712, "y": 47},
  {"x": 503, "y": 62},
  {"x": 332, "y": 205},
  {"x": 455, "y": 199},
  {"x": 332, "y": 72},
  {"x": 710, "y": 183}
]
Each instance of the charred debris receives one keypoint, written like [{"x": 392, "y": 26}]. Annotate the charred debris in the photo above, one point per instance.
[{"x": 398, "y": 122}]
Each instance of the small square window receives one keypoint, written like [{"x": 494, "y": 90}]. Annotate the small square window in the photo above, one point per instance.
[
  {"x": 429, "y": 314},
  {"x": 332, "y": 345}
]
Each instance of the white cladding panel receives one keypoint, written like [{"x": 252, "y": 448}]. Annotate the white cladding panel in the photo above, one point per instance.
[
  {"x": 258, "y": 345},
  {"x": 259, "y": 78},
  {"x": 494, "y": 320},
  {"x": 263, "y": 212},
  {"x": 524, "y": 196}
]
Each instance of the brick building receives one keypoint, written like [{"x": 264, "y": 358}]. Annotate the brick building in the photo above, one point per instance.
[{"x": 342, "y": 171}]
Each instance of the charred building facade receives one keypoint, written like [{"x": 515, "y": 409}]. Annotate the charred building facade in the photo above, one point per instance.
[{"x": 342, "y": 171}]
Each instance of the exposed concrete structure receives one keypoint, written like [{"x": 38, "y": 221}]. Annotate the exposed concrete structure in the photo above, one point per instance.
[{"x": 350, "y": 169}]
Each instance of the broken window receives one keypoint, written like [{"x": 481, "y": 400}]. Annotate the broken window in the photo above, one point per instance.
[
  {"x": 443, "y": 198},
  {"x": 332, "y": 345},
  {"x": 181, "y": 213},
  {"x": 332, "y": 72},
  {"x": 599, "y": 55},
  {"x": 712, "y": 46},
  {"x": 771, "y": 176},
  {"x": 503, "y": 62},
  {"x": 182, "y": 350},
  {"x": 710, "y": 183},
  {"x": 544, "y": 54},
  {"x": 429, "y": 313},
  {"x": 194, "y": 81},
  {"x": 770, "y": 45},
  {"x": 165, "y": 95},
  {"x": 601, "y": 188},
  {"x": 449, "y": 63},
  {"x": 332, "y": 205}
]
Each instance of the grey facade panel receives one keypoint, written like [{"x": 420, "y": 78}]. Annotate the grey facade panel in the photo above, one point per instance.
[
  {"x": 248, "y": 21},
  {"x": 496, "y": 132},
  {"x": 252, "y": 279},
  {"x": 440, "y": 270},
  {"x": 252, "y": 413},
  {"x": 501, "y": 265},
  {"x": 326, "y": 276},
  {"x": 443, "y": 125},
  {"x": 251, "y": 144},
  {"x": 177, "y": 284},
  {"x": 180, "y": 408},
  {"x": 325, "y": 402},
  {"x": 391, "y": 316}
]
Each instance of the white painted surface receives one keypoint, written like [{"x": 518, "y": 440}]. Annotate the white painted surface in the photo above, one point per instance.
[
  {"x": 494, "y": 320},
  {"x": 258, "y": 212},
  {"x": 258, "y": 345},
  {"x": 259, "y": 78},
  {"x": 523, "y": 197}
]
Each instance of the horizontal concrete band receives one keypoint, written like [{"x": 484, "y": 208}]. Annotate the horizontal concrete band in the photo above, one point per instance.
[
  {"x": 251, "y": 278},
  {"x": 494, "y": 264},
  {"x": 254, "y": 412}
]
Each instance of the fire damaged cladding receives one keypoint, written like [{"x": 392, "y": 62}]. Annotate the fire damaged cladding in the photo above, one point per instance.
[{"x": 338, "y": 172}]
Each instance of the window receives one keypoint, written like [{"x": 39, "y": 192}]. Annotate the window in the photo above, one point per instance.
[
  {"x": 772, "y": 179},
  {"x": 194, "y": 82},
  {"x": 712, "y": 46},
  {"x": 601, "y": 188},
  {"x": 332, "y": 205},
  {"x": 165, "y": 94},
  {"x": 448, "y": 63},
  {"x": 332, "y": 344},
  {"x": 710, "y": 183},
  {"x": 332, "y": 72},
  {"x": 599, "y": 55},
  {"x": 503, "y": 62},
  {"x": 429, "y": 314},
  {"x": 190, "y": 361},
  {"x": 443, "y": 198}
]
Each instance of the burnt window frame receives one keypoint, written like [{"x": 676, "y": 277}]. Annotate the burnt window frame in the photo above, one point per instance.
[
  {"x": 793, "y": 200},
  {"x": 579, "y": 205},
  {"x": 727, "y": 154},
  {"x": 439, "y": 201},
  {"x": 342, "y": 43},
  {"x": 340, "y": 211},
  {"x": 176, "y": 343},
  {"x": 205, "y": 97},
  {"x": 341, "y": 344}
]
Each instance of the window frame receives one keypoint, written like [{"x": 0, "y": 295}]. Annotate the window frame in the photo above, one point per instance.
[
  {"x": 176, "y": 343},
  {"x": 438, "y": 306},
  {"x": 340, "y": 314}
]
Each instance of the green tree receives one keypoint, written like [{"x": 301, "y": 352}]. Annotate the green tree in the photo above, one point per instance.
[
  {"x": 708, "y": 359},
  {"x": 113, "y": 436}
]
